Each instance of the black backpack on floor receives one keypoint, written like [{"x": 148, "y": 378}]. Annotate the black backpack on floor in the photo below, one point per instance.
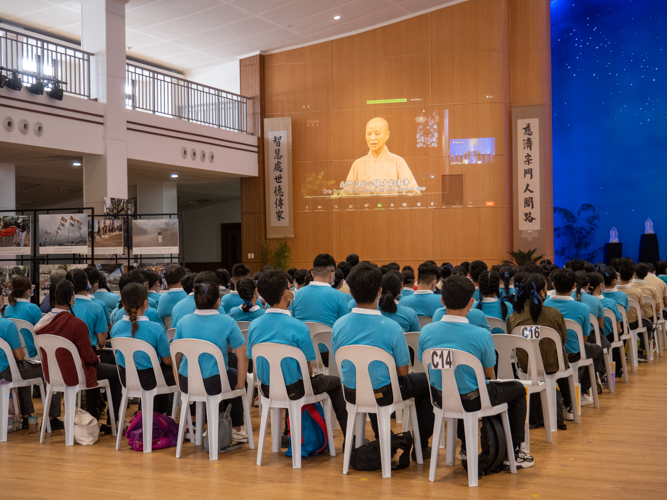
[
  {"x": 367, "y": 456},
  {"x": 494, "y": 447}
]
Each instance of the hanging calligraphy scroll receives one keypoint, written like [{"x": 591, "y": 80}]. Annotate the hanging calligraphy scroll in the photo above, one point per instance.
[
  {"x": 278, "y": 165},
  {"x": 528, "y": 174}
]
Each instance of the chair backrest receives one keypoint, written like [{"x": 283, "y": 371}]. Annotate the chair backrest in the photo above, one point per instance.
[
  {"x": 496, "y": 323},
  {"x": 608, "y": 313},
  {"x": 23, "y": 325},
  {"x": 128, "y": 346},
  {"x": 446, "y": 361},
  {"x": 167, "y": 322},
  {"x": 651, "y": 301},
  {"x": 11, "y": 361},
  {"x": 537, "y": 333},
  {"x": 633, "y": 304},
  {"x": 361, "y": 356},
  {"x": 424, "y": 320},
  {"x": 412, "y": 339},
  {"x": 274, "y": 353},
  {"x": 192, "y": 349},
  {"x": 505, "y": 345},
  {"x": 243, "y": 325},
  {"x": 596, "y": 329},
  {"x": 171, "y": 332},
  {"x": 624, "y": 314},
  {"x": 49, "y": 345},
  {"x": 573, "y": 325}
]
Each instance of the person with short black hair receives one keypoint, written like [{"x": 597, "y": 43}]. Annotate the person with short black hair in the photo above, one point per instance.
[
  {"x": 424, "y": 302},
  {"x": 365, "y": 325},
  {"x": 93, "y": 284},
  {"x": 408, "y": 279},
  {"x": 453, "y": 331},
  {"x": 278, "y": 326},
  {"x": 224, "y": 278},
  {"x": 300, "y": 279},
  {"x": 476, "y": 268},
  {"x": 154, "y": 284},
  {"x": 352, "y": 259},
  {"x": 249, "y": 310},
  {"x": 20, "y": 307},
  {"x": 105, "y": 294},
  {"x": 173, "y": 276},
  {"x": 187, "y": 305},
  {"x": 626, "y": 275},
  {"x": 151, "y": 313},
  {"x": 232, "y": 299},
  {"x": 90, "y": 312},
  {"x": 660, "y": 286}
]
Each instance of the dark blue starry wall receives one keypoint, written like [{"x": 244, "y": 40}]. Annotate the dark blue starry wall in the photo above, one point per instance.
[{"x": 610, "y": 114}]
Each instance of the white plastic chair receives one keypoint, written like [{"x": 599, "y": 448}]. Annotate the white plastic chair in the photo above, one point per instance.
[
  {"x": 22, "y": 325},
  {"x": 446, "y": 361},
  {"x": 278, "y": 399},
  {"x": 506, "y": 346},
  {"x": 171, "y": 332},
  {"x": 657, "y": 325},
  {"x": 192, "y": 349},
  {"x": 412, "y": 339},
  {"x": 616, "y": 344},
  {"x": 251, "y": 380},
  {"x": 243, "y": 325},
  {"x": 496, "y": 323},
  {"x": 633, "y": 304},
  {"x": 315, "y": 329},
  {"x": 536, "y": 334},
  {"x": 605, "y": 351},
  {"x": 583, "y": 361},
  {"x": 133, "y": 389},
  {"x": 50, "y": 344},
  {"x": 17, "y": 381},
  {"x": 424, "y": 320},
  {"x": 361, "y": 356},
  {"x": 167, "y": 322},
  {"x": 627, "y": 335}
]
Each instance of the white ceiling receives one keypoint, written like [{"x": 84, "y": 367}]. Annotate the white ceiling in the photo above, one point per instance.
[{"x": 196, "y": 34}]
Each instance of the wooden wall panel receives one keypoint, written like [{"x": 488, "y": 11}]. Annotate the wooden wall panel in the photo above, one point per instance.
[{"x": 298, "y": 87}]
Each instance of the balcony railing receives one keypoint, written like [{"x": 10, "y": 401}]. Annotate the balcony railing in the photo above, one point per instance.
[
  {"x": 167, "y": 95},
  {"x": 32, "y": 56}
]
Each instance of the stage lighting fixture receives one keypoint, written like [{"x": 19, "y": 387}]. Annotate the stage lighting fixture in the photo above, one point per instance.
[
  {"x": 56, "y": 92},
  {"x": 15, "y": 82},
  {"x": 36, "y": 88},
  {"x": 3, "y": 81}
]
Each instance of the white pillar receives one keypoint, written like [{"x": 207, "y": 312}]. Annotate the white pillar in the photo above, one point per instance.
[
  {"x": 157, "y": 198},
  {"x": 103, "y": 34},
  {"x": 7, "y": 186}
]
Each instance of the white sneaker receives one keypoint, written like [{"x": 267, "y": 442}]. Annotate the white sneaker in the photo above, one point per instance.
[
  {"x": 239, "y": 436},
  {"x": 523, "y": 460},
  {"x": 462, "y": 456},
  {"x": 586, "y": 400},
  {"x": 568, "y": 415}
]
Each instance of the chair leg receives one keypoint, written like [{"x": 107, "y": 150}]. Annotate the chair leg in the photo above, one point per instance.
[
  {"x": 295, "y": 433},
  {"x": 415, "y": 433},
  {"x": 4, "y": 412},
  {"x": 624, "y": 364},
  {"x": 575, "y": 413},
  {"x": 147, "y": 421},
  {"x": 181, "y": 424},
  {"x": 212, "y": 412},
  {"x": 42, "y": 393},
  {"x": 326, "y": 403},
  {"x": 248, "y": 422},
  {"x": 174, "y": 405},
  {"x": 508, "y": 440},
  {"x": 384, "y": 429},
  {"x": 112, "y": 416},
  {"x": 360, "y": 425},
  {"x": 70, "y": 411},
  {"x": 546, "y": 415},
  {"x": 551, "y": 403},
  {"x": 349, "y": 437},
  {"x": 526, "y": 443},
  {"x": 199, "y": 428},
  {"x": 591, "y": 374},
  {"x": 472, "y": 444},
  {"x": 451, "y": 441},
  {"x": 47, "y": 404},
  {"x": 276, "y": 421},
  {"x": 607, "y": 365},
  {"x": 264, "y": 420},
  {"x": 121, "y": 417},
  {"x": 437, "y": 432},
  {"x": 649, "y": 348}
]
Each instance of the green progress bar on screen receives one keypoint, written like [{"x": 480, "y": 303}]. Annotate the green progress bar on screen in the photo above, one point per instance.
[{"x": 386, "y": 101}]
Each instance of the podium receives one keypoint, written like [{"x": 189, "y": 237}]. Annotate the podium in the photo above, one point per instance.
[
  {"x": 648, "y": 248},
  {"x": 612, "y": 251}
]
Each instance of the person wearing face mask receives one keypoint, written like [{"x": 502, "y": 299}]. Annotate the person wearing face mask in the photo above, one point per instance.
[
  {"x": 424, "y": 302},
  {"x": 20, "y": 307},
  {"x": 454, "y": 331},
  {"x": 91, "y": 313},
  {"x": 319, "y": 301},
  {"x": 278, "y": 326}
]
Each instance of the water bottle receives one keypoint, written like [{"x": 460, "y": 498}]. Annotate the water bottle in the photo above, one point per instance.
[
  {"x": 613, "y": 235},
  {"x": 648, "y": 226}
]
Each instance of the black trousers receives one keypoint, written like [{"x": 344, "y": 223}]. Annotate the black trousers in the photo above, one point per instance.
[
  {"x": 163, "y": 402},
  {"x": 109, "y": 372},
  {"x": 414, "y": 385},
  {"x": 512, "y": 393},
  {"x": 649, "y": 328},
  {"x": 213, "y": 385},
  {"x": 321, "y": 384}
]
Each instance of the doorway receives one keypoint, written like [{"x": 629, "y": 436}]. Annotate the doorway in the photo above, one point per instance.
[{"x": 230, "y": 245}]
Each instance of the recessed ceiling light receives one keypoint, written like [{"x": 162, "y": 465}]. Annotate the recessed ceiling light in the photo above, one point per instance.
[
  {"x": 173, "y": 176},
  {"x": 76, "y": 164},
  {"x": 336, "y": 18}
]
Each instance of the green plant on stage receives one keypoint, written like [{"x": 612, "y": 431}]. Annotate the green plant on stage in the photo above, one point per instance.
[
  {"x": 577, "y": 233},
  {"x": 275, "y": 254},
  {"x": 524, "y": 257}
]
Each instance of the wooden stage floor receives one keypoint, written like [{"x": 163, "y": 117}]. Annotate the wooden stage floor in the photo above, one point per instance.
[{"x": 618, "y": 451}]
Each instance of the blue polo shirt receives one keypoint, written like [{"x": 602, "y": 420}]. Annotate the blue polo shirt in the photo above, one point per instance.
[
  {"x": 371, "y": 328},
  {"x": 406, "y": 291},
  {"x": 475, "y": 317},
  {"x": 278, "y": 326},
  {"x": 210, "y": 325},
  {"x": 423, "y": 302},
  {"x": 150, "y": 313},
  {"x": 169, "y": 299},
  {"x": 185, "y": 307},
  {"x": 320, "y": 303},
  {"x": 110, "y": 299},
  {"x": 107, "y": 317},
  {"x": 238, "y": 314},
  {"x": 594, "y": 305},
  {"x": 454, "y": 332},
  {"x": 155, "y": 297},
  {"x": 576, "y": 311},
  {"x": 148, "y": 332},
  {"x": 92, "y": 315},
  {"x": 405, "y": 317},
  {"x": 9, "y": 334},
  {"x": 503, "y": 293},
  {"x": 609, "y": 303},
  {"x": 232, "y": 300},
  {"x": 476, "y": 295},
  {"x": 617, "y": 296},
  {"x": 493, "y": 308},
  {"x": 25, "y": 310}
]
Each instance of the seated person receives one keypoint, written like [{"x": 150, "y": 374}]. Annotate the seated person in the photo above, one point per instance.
[
  {"x": 475, "y": 316},
  {"x": 61, "y": 321},
  {"x": 424, "y": 302},
  {"x": 93, "y": 284},
  {"x": 249, "y": 310},
  {"x": 278, "y": 326},
  {"x": 318, "y": 302},
  {"x": 596, "y": 286},
  {"x": 55, "y": 276},
  {"x": 154, "y": 284},
  {"x": 657, "y": 283},
  {"x": 90, "y": 312},
  {"x": 300, "y": 279},
  {"x": 454, "y": 331},
  {"x": 9, "y": 333},
  {"x": 648, "y": 289},
  {"x": 365, "y": 325},
  {"x": 173, "y": 276},
  {"x": 492, "y": 304},
  {"x": 207, "y": 323},
  {"x": 626, "y": 274},
  {"x": 140, "y": 276},
  {"x": 346, "y": 268},
  {"x": 118, "y": 314},
  {"x": 529, "y": 309},
  {"x": 20, "y": 307},
  {"x": 232, "y": 299},
  {"x": 391, "y": 308},
  {"x": 187, "y": 305},
  {"x": 224, "y": 278},
  {"x": 105, "y": 294},
  {"x": 506, "y": 273},
  {"x": 581, "y": 294},
  {"x": 476, "y": 268},
  {"x": 408, "y": 278},
  {"x": 135, "y": 324},
  {"x": 565, "y": 281}
]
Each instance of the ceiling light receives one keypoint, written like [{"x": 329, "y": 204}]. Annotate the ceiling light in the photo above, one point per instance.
[
  {"x": 76, "y": 164},
  {"x": 336, "y": 18},
  {"x": 56, "y": 92},
  {"x": 15, "y": 82},
  {"x": 36, "y": 88},
  {"x": 173, "y": 176}
]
